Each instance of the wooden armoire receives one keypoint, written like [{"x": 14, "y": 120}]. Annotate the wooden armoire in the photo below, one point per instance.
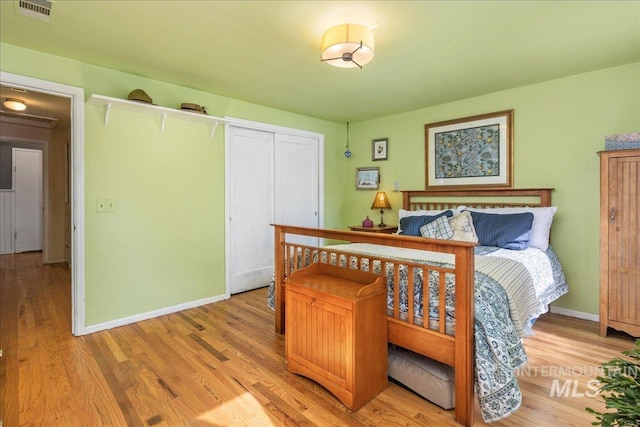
[{"x": 620, "y": 241}]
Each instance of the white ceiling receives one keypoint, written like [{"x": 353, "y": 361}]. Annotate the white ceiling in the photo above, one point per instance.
[{"x": 267, "y": 52}]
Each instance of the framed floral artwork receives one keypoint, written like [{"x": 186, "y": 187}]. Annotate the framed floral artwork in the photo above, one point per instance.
[{"x": 474, "y": 151}]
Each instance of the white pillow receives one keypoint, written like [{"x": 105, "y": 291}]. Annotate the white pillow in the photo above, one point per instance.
[{"x": 540, "y": 228}]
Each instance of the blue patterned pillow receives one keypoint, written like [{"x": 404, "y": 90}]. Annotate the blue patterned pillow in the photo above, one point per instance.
[
  {"x": 504, "y": 231},
  {"x": 410, "y": 225},
  {"x": 437, "y": 229}
]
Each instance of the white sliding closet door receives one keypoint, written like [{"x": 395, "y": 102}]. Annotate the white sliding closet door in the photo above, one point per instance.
[
  {"x": 296, "y": 183},
  {"x": 272, "y": 177},
  {"x": 250, "y": 254}
]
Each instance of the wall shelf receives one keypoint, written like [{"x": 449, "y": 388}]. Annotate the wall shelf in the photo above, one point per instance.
[{"x": 162, "y": 112}]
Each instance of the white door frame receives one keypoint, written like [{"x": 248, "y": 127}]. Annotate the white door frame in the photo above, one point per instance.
[
  {"x": 249, "y": 124},
  {"x": 76, "y": 96}
]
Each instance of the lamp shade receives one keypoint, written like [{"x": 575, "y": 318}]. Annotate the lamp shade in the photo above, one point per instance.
[
  {"x": 15, "y": 104},
  {"x": 381, "y": 201},
  {"x": 347, "y": 46}
]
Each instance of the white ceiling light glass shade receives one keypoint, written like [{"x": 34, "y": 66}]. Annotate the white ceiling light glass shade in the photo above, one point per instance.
[
  {"x": 15, "y": 104},
  {"x": 347, "y": 46}
]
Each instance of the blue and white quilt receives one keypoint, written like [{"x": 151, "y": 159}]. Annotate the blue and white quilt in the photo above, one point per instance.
[{"x": 512, "y": 289}]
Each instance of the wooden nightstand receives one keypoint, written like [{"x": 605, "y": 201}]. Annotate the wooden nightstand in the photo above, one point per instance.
[{"x": 375, "y": 229}]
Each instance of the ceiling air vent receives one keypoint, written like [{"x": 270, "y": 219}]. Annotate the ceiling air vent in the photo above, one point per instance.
[
  {"x": 40, "y": 10},
  {"x": 28, "y": 119}
]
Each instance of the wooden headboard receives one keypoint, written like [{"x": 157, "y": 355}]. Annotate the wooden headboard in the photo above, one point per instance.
[{"x": 488, "y": 198}]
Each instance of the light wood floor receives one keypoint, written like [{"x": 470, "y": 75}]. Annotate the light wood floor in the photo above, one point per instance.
[{"x": 222, "y": 365}]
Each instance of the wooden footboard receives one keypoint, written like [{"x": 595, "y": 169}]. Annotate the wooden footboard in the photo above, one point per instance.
[{"x": 404, "y": 329}]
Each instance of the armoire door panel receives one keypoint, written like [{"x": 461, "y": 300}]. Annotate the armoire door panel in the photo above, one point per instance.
[
  {"x": 620, "y": 246},
  {"x": 623, "y": 240}
]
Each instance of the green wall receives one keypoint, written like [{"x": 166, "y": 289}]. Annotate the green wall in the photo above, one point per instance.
[
  {"x": 165, "y": 244},
  {"x": 559, "y": 126}
]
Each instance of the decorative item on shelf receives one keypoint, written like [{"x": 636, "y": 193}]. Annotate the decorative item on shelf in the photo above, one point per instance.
[
  {"x": 347, "y": 46},
  {"x": 140, "y": 96},
  {"x": 622, "y": 142},
  {"x": 367, "y": 222},
  {"x": 379, "y": 149},
  {"x": 195, "y": 108},
  {"x": 381, "y": 202},
  {"x": 15, "y": 104},
  {"x": 347, "y": 152}
]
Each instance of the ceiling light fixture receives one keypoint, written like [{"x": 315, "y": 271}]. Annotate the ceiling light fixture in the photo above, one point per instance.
[
  {"x": 347, "y": 46},
  {"x": 15, "y": 104}
]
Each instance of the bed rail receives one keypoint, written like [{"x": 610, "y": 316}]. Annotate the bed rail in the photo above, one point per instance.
[{"x": 441, "y": 199}]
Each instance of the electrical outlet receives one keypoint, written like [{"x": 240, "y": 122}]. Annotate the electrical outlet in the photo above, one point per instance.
[
  {"x": 101, "y": 205},
  {"x": 111, "y": 205}
]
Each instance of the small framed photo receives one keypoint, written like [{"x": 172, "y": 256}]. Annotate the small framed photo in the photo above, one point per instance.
[
  {"x": 367, "y": 178},
  {"x": 379, "y": 149}
]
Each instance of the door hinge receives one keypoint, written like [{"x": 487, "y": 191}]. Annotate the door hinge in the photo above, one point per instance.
[{"x": 15, "y": 235}]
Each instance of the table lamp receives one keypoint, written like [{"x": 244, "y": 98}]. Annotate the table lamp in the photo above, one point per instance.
[{"x": 381, "y": 202}]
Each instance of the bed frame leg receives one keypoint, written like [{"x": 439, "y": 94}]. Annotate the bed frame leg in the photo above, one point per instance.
[
  {"x": 465, "y": 338},
  {"x": 279, "y": 278}
]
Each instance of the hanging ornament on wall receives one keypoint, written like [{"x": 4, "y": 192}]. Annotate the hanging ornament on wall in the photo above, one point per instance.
[{"x": 347, "y": 152}]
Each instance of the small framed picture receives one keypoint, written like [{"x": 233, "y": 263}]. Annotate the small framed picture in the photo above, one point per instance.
[
  {"x": 379, "y": 148},
  {"x": 367, "y": 178}
]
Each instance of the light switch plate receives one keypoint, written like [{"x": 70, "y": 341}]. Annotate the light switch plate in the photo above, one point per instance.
[
  {"x": 101, "y": 205},
  {"x": 111, "y": 205}
]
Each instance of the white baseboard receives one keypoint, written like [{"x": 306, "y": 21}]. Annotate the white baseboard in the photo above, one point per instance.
[
  {"x": 150, "y": 315},
  {"x": 574, "y": 313}
]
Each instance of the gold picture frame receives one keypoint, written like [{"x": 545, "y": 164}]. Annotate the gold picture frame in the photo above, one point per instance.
[{"x": 475, "y": 151}]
